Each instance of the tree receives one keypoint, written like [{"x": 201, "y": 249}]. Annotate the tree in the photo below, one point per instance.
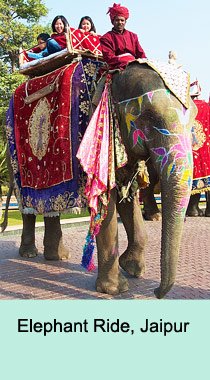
[{"x": 19, "y": 27}]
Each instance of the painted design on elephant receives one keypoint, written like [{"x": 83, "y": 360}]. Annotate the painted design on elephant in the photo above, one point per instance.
[
  {"x": 39, "y": 128},
  {"x": 133, "y": 110},
  {"x": 180, "y": 150},
  {"x": 183, "y": 205},
  {"x": 183, "y": 115}
]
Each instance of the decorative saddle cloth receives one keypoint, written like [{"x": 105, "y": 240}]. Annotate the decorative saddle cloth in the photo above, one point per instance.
[
  {"x": 46, "y": 121},
  {"x": 177, "y": 80},
  {"x": 201, "y": 148}
]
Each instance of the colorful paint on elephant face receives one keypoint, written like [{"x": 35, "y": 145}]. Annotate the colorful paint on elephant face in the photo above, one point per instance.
[
  {"x": 176, "y": 155},
  {"x": 133, "y": 110}
]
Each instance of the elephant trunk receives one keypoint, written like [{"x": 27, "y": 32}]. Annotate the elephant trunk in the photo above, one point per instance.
[{"x": 173, "y": 214}]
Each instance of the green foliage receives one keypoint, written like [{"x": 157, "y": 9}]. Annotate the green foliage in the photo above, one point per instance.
[
  {"x": 8, "y": 83},
  {"x": 4, "y": 175},
  {"x": 19, "y": 27},
  {"x": 14, "y": 217}
]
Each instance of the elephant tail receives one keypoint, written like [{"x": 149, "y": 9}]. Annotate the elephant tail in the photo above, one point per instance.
[{"x": 3, "y": 225}]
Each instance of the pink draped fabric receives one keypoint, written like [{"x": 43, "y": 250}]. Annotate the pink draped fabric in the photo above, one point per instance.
[
  {"x": 93, "y": 152},
  {"x": 100, "y": 153}
]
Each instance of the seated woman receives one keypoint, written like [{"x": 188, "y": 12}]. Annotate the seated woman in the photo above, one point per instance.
[
  {"x": 85, "y": 38},
  {"x": 86, "y": 25},
  {"x": 51, "y": 44},
  {"x": 57, "y": 42}
]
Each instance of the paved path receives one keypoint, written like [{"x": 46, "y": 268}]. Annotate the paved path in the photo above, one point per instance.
[{"x": 38, "y": 279}]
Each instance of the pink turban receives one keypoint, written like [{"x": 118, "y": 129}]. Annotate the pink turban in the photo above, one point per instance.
[{"x": 118, "y": 10}]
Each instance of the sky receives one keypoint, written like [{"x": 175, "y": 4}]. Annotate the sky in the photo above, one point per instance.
[{"x": 180, "y": 25}]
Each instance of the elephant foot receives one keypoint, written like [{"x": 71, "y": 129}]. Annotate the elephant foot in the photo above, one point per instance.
[
  {"x": 207, "y": 213},
  {"x": 61, "y": 253},
  {"x": 152, "y": 216},
  {"x": 133, "y": 266},
  {"x": 161, "y": 292},
  {"x": 194, "y": 212},
  {"x": 110, "y": 287},
  {"x": 28, "y": 251}
]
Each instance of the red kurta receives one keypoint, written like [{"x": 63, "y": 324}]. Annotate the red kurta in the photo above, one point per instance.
[
  {"x": 60, "y": 38},
  {"x": 114, "y": 44}
]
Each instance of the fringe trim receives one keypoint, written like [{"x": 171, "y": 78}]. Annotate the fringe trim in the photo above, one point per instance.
[
  {"x": 203, "y": 190},
  {"x": 73, "y": 211},
  {"x": 88, "y": 249}
]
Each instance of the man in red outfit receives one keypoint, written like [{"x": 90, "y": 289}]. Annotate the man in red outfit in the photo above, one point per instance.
[{"x": 120, "y": 46}]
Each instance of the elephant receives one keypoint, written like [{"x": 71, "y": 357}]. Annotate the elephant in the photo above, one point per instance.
[{"x": 154, "y": 126}]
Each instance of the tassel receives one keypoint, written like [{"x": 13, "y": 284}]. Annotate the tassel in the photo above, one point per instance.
[{"x": 87, "y": 257}]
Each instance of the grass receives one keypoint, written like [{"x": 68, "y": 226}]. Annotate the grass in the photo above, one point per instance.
[{"x": 15, "y": 219}]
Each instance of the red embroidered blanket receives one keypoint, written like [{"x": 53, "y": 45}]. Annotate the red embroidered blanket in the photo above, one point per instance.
[
  {"x": 201, "y": 152},
  {"x": 85, "y": 41},
  {"x": 42, "y": 109}
]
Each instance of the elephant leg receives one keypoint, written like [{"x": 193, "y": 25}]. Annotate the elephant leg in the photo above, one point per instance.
[
  {"x": 207, "y": 211},
  {"x": 27, "y": 247},
  {"x": 109, "y": 279},
  {"x": 132, "y": 260},
  {"x": 193, "y": 206},
  {"x": 150, "y": 208},
  {"x": 54, "y": 248}
]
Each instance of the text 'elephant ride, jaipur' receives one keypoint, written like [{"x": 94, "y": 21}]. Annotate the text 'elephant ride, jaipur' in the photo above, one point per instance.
[{"x": 144, "y": 113}]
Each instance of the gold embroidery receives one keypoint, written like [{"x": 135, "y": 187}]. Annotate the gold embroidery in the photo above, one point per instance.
[
  {"x": 62, "y": 201},
  {"x": 40, "y": 206},
  {"x": 39, "y": 128},
  {"x": 84, "y": 107},
  {"x": 90, "y": 69},
  {"x": 199, "y": 136}
]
